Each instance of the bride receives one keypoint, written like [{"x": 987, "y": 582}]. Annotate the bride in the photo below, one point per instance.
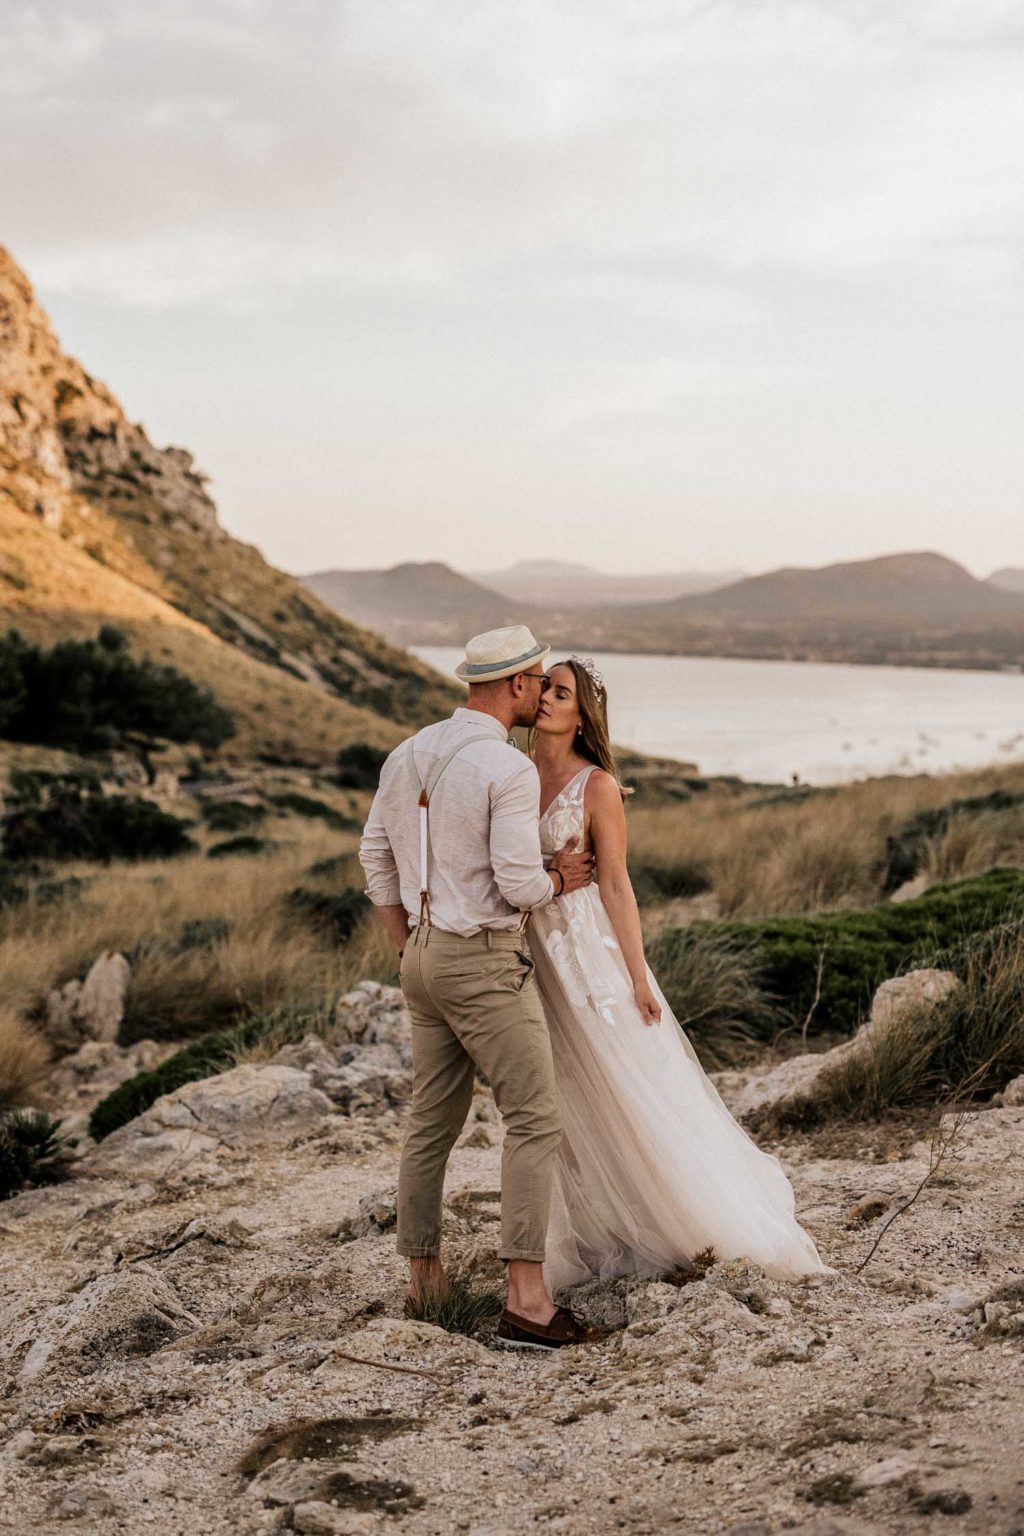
[{"x": 652, "y": 1169}]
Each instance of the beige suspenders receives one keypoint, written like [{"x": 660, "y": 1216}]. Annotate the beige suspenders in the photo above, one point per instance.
[{"x": 425, "y": 791}]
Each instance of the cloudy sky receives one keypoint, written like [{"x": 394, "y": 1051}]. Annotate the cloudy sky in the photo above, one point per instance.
[{"x": 650, "y": 283}]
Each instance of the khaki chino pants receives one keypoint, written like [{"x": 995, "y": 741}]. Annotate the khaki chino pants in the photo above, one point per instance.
[{"x": 474, "y": 1003}]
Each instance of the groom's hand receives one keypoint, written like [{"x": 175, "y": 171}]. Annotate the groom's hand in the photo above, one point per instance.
[{"x": 577, "y": 869}]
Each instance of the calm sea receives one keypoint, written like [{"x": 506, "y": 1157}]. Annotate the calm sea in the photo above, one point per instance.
[{"x": 769, "y": 720}]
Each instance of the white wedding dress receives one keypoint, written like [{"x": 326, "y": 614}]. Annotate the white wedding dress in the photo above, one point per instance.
[{"x": 653, "y": 1168}]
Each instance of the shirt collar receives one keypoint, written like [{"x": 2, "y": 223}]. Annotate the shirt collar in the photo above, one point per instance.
[{"x": 476, "y": 717}]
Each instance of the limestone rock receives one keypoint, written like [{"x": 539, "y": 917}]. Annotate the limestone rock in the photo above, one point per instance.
[
  {"x": 97, "y": 1067},
  {"x": 370, "y": 1068},
  {"x": 899, "y": 998},
  {"x": 129, "y": 1312},
  {"x": 197, "y": 1117},
  {"x": 904, "y": 996},
  {"x": 374, "y": 1014},
  {"x": 793, "y": 1079},
  {"x": 1013, "y": 1093},
  {"x": 378, "y": 1212},
  {"x": 94, "y": 1007}
]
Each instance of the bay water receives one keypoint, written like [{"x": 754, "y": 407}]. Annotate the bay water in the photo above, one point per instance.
[{"x": 826, "y": 724}]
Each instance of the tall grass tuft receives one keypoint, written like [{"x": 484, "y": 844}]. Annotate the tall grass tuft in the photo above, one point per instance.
[
  {"x": 24, "y": 1058},
  {"x": 715, "y": 984},
  {"x": 461, "y": 1309}
]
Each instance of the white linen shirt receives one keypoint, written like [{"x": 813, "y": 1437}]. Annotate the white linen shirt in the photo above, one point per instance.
[{"x": 484, "y": 862}]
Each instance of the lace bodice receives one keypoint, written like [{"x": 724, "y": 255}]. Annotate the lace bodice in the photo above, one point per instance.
[{"x": 563, "y": 820}]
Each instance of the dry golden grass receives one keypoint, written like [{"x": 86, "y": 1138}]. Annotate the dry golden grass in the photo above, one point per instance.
[
  {"x": 62, "y": 591},
  {"x": 823, "y": 851},
  {"x": 24, "y": 1058},
  {"x": 269, "y": 957}
]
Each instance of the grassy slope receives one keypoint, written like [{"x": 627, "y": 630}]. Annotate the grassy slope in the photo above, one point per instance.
[{"x": 50, "y": 588}]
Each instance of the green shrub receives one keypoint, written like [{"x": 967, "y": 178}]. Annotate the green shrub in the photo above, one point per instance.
[
  {"x": 306, "y": 805},
  {"x": 32, "y": 1152},
  {"x": 85, "y": 695},
  {"x": 857, "y": 950},
  {"x": 232, "y": 815},
  {"x": 243, "y": 844},
  {"x": 68, "y": 817},
  {"x": 334, "y": 913},
  {"x": 359, "y": 765}
]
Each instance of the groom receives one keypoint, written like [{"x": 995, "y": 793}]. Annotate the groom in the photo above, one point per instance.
[{"x": 453, "y": 836}]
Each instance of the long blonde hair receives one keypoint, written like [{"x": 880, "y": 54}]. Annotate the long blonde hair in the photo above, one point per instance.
[{"x": 592, "y": 740}]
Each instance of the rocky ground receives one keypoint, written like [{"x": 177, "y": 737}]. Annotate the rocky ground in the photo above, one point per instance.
[{"x": 203, "y": 1331}]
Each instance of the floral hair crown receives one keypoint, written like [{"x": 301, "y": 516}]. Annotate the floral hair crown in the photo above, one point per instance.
[{"x": 587, "y": 663}]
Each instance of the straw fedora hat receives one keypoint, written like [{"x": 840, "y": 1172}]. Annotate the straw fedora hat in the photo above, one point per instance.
[{"x": 500, "y": 653}]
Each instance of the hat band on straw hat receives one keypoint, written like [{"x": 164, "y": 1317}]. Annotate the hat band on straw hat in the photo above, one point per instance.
[{"x": 470, "y": 668}]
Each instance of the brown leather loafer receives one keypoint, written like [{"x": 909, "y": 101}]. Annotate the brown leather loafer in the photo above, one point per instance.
[{"x": 517, "y": 1332}]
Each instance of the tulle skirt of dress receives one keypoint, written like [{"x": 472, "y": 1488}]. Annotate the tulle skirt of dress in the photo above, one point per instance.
[{"x": 653, "y": 1168}]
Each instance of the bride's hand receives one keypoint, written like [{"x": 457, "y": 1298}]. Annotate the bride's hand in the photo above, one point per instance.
[{"x": 650, "y": 1008}]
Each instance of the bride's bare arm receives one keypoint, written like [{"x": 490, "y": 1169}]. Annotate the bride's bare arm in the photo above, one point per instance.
[{"x": 608, "y": 835}]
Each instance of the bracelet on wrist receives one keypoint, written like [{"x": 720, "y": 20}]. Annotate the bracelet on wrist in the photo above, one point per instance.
[{"x": 561, "y": 880}]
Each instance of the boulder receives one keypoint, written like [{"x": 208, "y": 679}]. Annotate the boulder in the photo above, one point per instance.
[
  {"x": 1013, "y": 1093},
  {"x": 370, "y": 1068},
  {"x": 902, "y": 997},
  {"x": 374, "y": 1014},
  {"x": 199, "y": 1116},
  {"x": 378, "y": 1212},
  {"x": 92, "y": 1008},
  {"x": 129, "y": 1312}
]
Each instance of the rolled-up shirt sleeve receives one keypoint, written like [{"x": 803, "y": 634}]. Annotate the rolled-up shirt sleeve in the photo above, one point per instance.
[
  {"x": 377, "y": 857},
  {"x": 515, "y": 841}
]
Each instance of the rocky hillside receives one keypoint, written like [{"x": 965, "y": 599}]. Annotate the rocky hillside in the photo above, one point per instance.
[
  {"x": 202, "y": 1331},
  {"x": 98, "y": 524}
]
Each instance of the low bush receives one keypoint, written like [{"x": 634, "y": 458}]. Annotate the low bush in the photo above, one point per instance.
[
  {"x": 334, "y": 913},
  {"x": 232, "y": 815},
  {"x": 69, "y": 817},
  {"x": 856, "y": 950},
  {"x": 12, "y": 884},
  {"x": 653, "y": 882},
  {"x": 243, "y": 844},
  {"x": 32, "y": 1151},
  {"x": 86, "y": 695},
  {"x": 307, "y": 805},
  {"x": 906, "y": 849},
  {"x": 358, "y": 766}
]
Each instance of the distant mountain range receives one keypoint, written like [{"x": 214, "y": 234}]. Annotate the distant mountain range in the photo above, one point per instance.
[
  {"x": 1010, "y": 578},
  {"x": 559, "y": 584},
  {"x": 918, "y": 609}
]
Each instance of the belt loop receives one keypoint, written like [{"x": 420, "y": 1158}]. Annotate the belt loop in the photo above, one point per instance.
[{"x": 487, "y": 937}]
